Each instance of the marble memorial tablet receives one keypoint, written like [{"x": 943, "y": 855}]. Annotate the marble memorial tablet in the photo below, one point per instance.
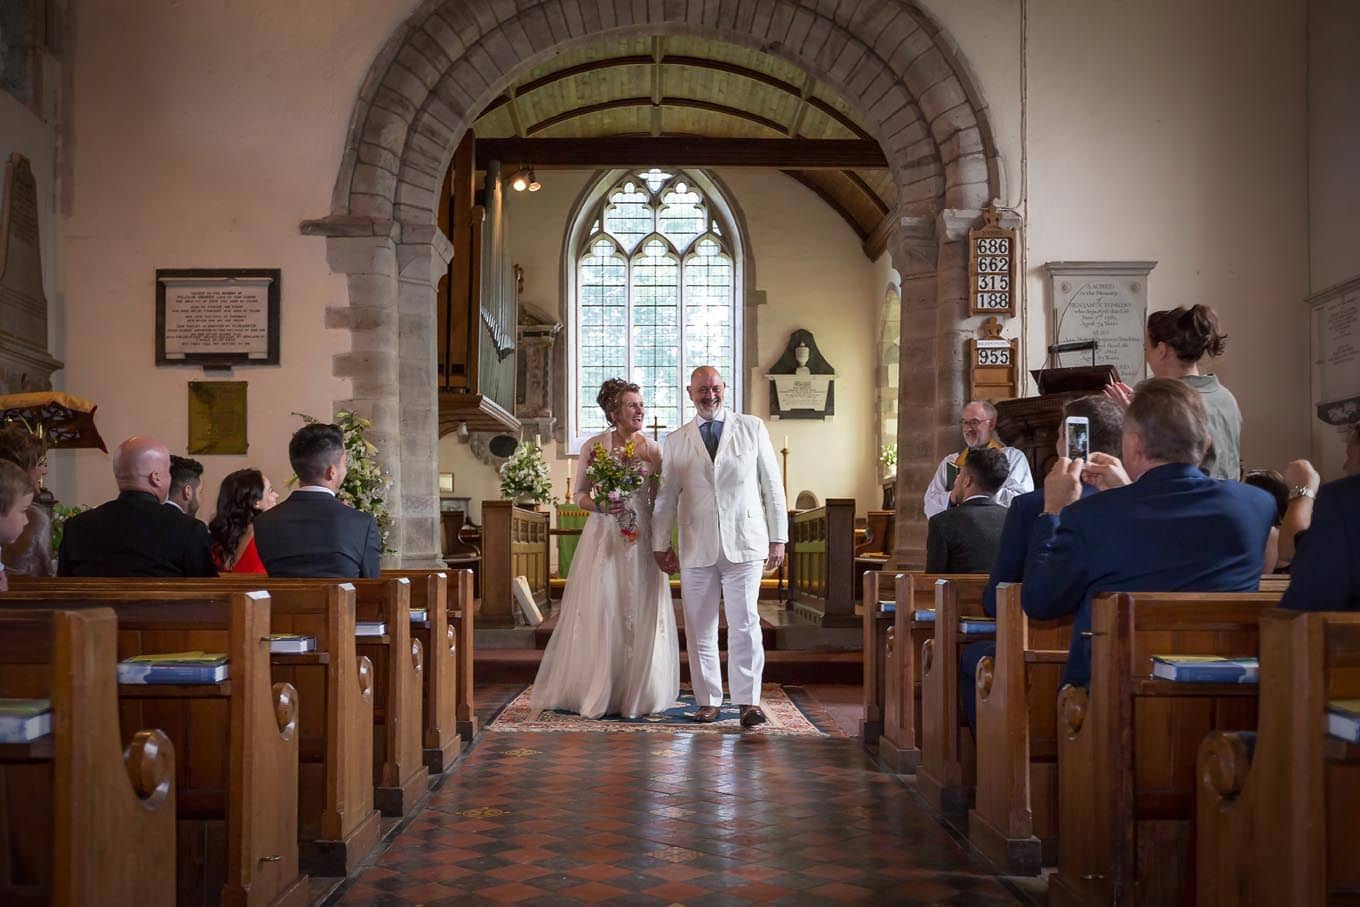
[
  {"x": 217, "y": 318},
  {"x": 1105, "y": 301}
]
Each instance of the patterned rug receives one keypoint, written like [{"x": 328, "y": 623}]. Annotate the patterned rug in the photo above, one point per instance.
[{"x": 791, "y": 713}]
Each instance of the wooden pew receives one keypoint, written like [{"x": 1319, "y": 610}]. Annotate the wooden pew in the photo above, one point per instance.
[
  {"x": 947, "y": 773},
  {"x": 337, "y": 823},
  {"x": 1277, "y": 825},
  {"x": 878, "y": 624},
  {"x": 82, "y": 821},
  {"x": 821, "y": 559},
  {"x": 514, "y": 543},
  {"x": 1015, "y": 819},
  {"x": 899, "y": 745},
  {"x": 1126, "y": 744},
  {"x": 450, "y": 719},
  {"x": 875, "y": 550},
  {"x": 237, "y": 742}
]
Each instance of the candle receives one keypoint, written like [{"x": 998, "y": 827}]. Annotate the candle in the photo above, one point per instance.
[
  {"x": 538, "y": 440},
  {"x": 786, "y": 442}
]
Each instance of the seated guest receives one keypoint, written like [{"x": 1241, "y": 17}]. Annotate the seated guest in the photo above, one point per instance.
[
  {"x": 1303, "y": 482},
  {"x": 244, "y": 495},
  {"x": 964, "y": 538},
  {"x": 1106, "y": 419},
  {"x": 1172, "y": 530},
  {"x": 31, "y": 553},
  {"x": 186, "y": 481},
  {"x": 979, "y": 427},
  {"x": 1271, "y": 482},
  {"x": 312, "y": 533},
  {"x": 135, "y": 534},
  {"x": 16, "y": 494},
  {"x": 1325, "y": 575}
]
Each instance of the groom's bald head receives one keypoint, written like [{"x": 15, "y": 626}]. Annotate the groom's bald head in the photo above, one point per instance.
[{"x": 706, "y": 390}]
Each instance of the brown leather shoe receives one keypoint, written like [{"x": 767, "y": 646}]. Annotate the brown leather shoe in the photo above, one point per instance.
[
  {"x": 751, "y": 716},
  {"x": 707, "y": 714}
]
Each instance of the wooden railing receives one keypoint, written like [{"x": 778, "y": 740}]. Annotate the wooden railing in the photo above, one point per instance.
[
  {"x": 514, "y": 543},
  {"x": 821, "y": 560}
]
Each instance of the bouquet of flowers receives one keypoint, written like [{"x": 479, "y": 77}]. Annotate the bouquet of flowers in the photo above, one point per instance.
[
  {"x": 525, "y": 476},
  {"x": 614, "y": 477}
]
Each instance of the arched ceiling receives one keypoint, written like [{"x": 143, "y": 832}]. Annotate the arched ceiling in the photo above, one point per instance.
[{"x": 685, "y": 86}]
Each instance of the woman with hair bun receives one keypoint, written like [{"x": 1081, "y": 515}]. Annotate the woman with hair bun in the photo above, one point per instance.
[
  {"x": 614, "y": 651},
  {"x": 1175, "y": 342}
]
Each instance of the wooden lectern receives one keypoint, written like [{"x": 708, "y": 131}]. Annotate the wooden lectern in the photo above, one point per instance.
[{"x": 1031, "y": 424}]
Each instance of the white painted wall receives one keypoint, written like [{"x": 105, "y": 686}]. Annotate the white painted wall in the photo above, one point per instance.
[
  {"x": 815, "y": 276},
  {"x": 1334, "y": 172}
]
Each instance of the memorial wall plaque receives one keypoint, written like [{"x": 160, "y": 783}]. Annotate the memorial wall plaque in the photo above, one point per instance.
[
  {"x": 1336, "y": 352},
  {"x": 217, "y": 318},
  {"x": 802, "y": 382},
  {"x": 25, "y": 364},
  {"x": 1105, "y": 301}
]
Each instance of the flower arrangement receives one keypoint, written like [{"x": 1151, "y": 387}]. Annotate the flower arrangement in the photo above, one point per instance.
[
  {"x": 60, "y": 514},
  {"x": 615, "y": 476},
  {"x": 367, "y": 483},
  {"x": 525, "y": 476},
  {"x": 889, "y": 456}
]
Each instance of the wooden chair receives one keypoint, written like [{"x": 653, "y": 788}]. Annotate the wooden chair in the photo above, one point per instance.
[
  {"x": 514, "y": 543},
  {"x": 1126, "y": 744},
  {"x": 899, "y": 745},
  {"x": 82, "y": 821},
  {"x": 237, "y": 741},
  {"x": 947, "y": 773},
  {"x": 337, "y": 823},
  {"x": 1276, "y": 825},
  {"x": 1015, "y": 818},
  {"x": 821, "y": 556}
]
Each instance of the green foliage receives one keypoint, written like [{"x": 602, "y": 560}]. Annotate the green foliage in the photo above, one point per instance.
[
  {"x": 60, "y": 514},
  {"x": 525, "y": 476},
  {"x": 367, "y": 484},
  {"x": 889, "y": 456}
]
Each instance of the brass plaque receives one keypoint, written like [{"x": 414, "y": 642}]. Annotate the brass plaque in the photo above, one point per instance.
[{"x": 217, "y": 417}]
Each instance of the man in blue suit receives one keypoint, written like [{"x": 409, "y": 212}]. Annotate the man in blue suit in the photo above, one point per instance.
[
  {"x": 1172, "y": 530},
  {"x": 1325, "y": 575},
  {"x": 1106, "y": 419}
]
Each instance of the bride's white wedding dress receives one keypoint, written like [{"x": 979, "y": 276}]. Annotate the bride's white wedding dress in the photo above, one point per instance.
[{"x": 614, "y": 651}]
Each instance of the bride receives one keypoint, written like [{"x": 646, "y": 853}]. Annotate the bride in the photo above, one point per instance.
[{"x": 614, "y": 651}]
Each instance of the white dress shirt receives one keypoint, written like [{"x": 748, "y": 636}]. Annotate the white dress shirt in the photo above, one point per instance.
[{"x": 1018, "y": 482}]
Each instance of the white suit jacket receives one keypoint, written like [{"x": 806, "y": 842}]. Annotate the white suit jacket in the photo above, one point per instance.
[{"x": 733, "y": 503}]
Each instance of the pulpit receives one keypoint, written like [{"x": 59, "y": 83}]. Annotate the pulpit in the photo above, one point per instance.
[{"x": 1030, "y": 424}]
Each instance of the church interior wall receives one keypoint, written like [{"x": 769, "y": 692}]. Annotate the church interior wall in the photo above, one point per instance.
[
  {"x": 1333, "y": 171},
  {"x": 814, "y": 275},
  {"x": 204, "y": 134}
]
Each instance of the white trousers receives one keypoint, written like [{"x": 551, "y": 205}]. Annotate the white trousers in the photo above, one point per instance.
[{"x": 739, "y": 586}]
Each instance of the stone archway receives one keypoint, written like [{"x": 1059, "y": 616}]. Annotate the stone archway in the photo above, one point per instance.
[{"x": 891, "y": 63}]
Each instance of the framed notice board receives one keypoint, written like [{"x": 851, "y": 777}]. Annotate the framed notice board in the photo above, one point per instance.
[
  {"x": 217, "y": 318},
  {"x": 991, "y": 267}
]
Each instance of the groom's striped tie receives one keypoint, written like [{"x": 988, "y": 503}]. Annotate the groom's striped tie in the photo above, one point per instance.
[{"x": 710, "y": 438}]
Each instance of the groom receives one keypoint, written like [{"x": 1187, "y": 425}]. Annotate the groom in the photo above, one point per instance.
[{"x": 720, "y": 474}]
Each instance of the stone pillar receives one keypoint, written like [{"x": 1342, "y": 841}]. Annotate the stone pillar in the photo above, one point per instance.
[
  {"x": 364, "y": 249},
  {"x": 422, "y": 257}
]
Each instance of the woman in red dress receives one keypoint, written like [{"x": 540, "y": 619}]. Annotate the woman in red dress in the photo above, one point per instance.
[{"x": 244, "y": 495}]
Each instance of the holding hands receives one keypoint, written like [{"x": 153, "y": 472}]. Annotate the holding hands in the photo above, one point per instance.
[{"x": 667, "y": 561}]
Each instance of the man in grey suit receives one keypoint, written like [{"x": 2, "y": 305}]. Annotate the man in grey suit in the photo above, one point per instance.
[
  {"x": 966, "y": 537},
  {"x": 312, "y": 533}
]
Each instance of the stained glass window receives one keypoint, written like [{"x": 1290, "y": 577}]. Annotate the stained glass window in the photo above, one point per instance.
[{"x": 655, "y": 297}]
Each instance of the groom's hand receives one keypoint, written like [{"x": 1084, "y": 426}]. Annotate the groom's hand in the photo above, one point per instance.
[
  {"x": 667, "y": 561},
  {"x": 776, "y": 556}
]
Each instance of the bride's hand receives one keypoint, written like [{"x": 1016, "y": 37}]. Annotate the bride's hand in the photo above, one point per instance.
[{"x": 611, "y": 506}]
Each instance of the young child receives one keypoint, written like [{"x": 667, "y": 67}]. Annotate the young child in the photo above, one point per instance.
[{"x": 16, "y": 494}]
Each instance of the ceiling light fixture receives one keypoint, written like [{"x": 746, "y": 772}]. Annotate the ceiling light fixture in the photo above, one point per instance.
[
  {"x": 524, "y": 179},
  {"x": 534, "y": 184}
]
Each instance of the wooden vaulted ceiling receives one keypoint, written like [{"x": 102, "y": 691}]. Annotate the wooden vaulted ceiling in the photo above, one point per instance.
[{"x": 685, "y": 86}]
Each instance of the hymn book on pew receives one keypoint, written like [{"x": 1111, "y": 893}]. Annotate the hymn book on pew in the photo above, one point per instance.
[
  {"x": 924, "y": 616},
  {"x": 291, "y": 644},
  {"x": 174, "y": 668},
  {"x": 1205, "y": 669},
  {"x": 370, "y": 628},
  {"x": 1343, "y": 719},
  {"x": 420, "y": 616},
  {"x": 24, "y": 720},
  {"x": 974, "y": 626}
]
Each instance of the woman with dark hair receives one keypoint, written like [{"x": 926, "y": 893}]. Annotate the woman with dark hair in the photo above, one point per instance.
[
  {"x": 1175, "y": 342},
  {"x": 614, "y": 651},
  {"x": 244, "y": 495},
  {"x": 31, "y": 553}
]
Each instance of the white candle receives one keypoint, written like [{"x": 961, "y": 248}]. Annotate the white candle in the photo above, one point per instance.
[
  {"x": 538, "y": 440},
  {"x": 786, "y": 442}
]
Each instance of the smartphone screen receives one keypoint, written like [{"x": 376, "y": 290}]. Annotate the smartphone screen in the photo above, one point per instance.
[{"x": 1078, "y": 438}]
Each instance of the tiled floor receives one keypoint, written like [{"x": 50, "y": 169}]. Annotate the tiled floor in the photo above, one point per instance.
[{"x": 673, "y": 818}]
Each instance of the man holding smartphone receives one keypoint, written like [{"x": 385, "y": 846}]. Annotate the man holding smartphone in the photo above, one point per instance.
[{"x": 978, "y": 422}]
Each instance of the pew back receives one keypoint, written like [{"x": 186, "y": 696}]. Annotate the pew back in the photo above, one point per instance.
[
  {"x": 514, "y": 543},
  {"x": 821, "y": 555},
  {"x": 81, "y": 820}
]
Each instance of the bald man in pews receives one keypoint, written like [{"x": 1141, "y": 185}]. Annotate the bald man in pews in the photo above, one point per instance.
[
  {"x": 1171, "y": 529},
  {"x": 135, "y": 534}
]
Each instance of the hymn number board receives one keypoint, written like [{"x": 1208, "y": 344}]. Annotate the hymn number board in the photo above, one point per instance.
[
  {"x": 991, "y": 267},
  {"x": 993, "y": 372}
]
